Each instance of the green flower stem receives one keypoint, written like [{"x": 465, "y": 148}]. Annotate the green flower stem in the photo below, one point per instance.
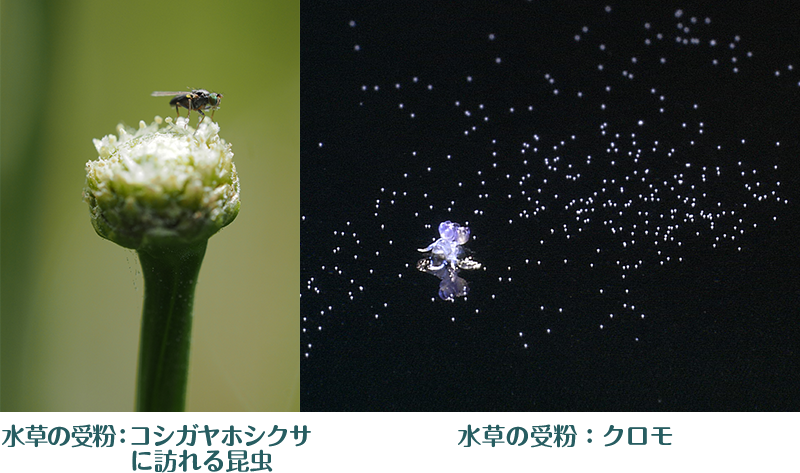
[{"x": 170, "y": 276}]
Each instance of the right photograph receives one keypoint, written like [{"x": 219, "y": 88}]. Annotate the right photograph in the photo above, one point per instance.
[{"x": 549, "y": 206}]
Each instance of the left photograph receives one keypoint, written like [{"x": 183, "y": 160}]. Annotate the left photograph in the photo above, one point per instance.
[{"x": 149, "y": 194}]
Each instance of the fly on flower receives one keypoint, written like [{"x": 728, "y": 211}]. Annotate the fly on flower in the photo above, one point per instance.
[{"x": 197, "y": 99}]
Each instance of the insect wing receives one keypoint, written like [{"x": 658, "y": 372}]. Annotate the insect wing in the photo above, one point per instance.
[{"x": 166, "y": 94}]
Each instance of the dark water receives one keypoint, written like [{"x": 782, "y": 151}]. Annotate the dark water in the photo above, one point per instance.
[{"x": 629, "y": 176}]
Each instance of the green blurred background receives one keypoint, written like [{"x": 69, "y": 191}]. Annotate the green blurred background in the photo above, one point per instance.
[{"x": 70, "y": 302}]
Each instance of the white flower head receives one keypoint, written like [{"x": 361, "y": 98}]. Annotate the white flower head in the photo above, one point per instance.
[{"x": 163, "y": 184}]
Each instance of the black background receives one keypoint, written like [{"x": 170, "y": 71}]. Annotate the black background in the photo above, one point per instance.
[{"x": 721, "y": 323}]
